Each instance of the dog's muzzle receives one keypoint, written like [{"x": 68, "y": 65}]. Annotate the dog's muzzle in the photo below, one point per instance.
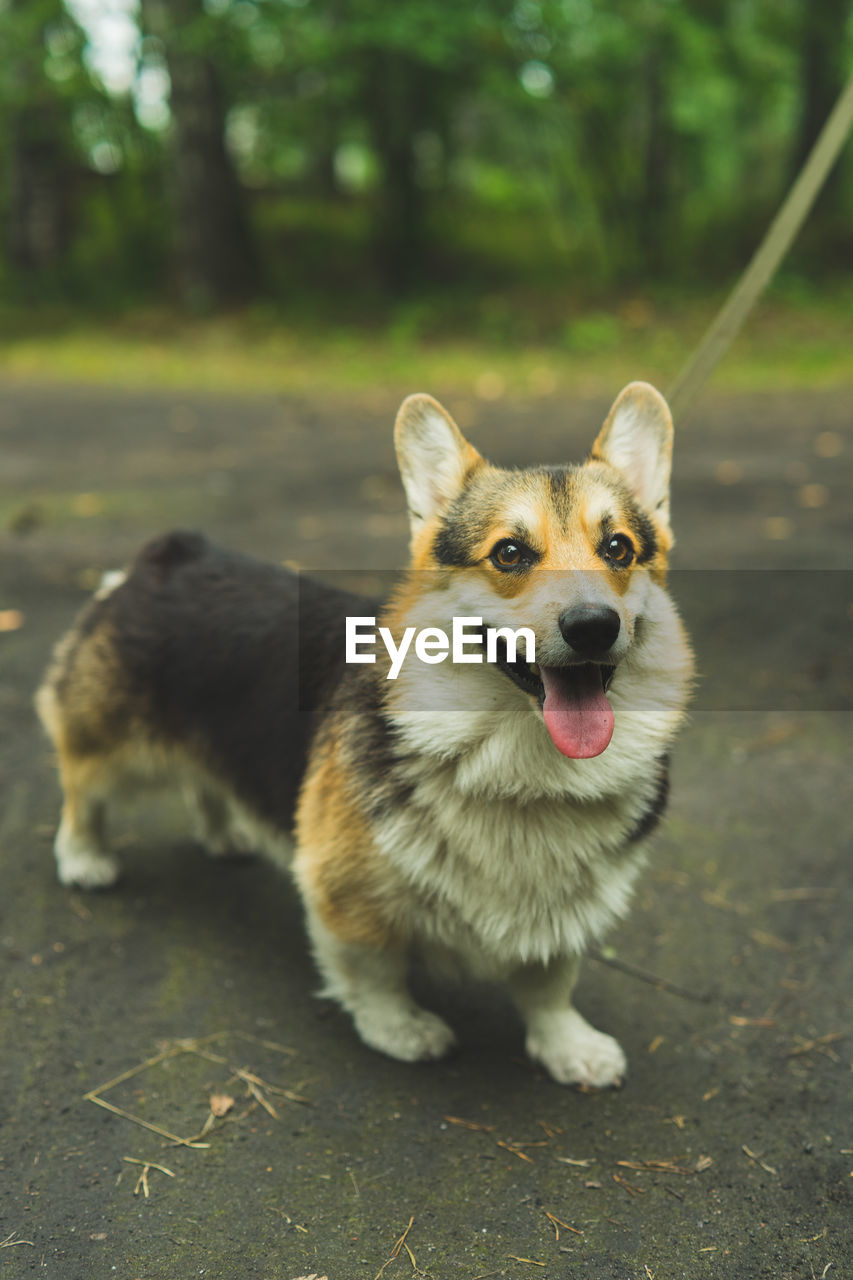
[{"x": 590, "y": 630}]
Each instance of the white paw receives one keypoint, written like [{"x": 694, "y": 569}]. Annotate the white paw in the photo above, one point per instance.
[
  {"x": 78, "y": 863},
  {"x": 573, "y": 1052},
  {"x": 409, "y": 1033},
  {"x": 87, "y": 870}
]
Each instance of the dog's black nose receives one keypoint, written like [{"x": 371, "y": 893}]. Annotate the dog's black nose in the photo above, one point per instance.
[{"x": 590, "y": 629}]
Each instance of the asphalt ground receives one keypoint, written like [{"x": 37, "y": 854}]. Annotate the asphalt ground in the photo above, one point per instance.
[{"x": 728, "y": 1152}]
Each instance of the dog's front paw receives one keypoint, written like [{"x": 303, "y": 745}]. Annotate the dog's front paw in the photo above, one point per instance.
[
  {"x": 573, "y": 1052},
  {"x": 88, "y": 871},
  {"x": 409, "y": 1033},
  {"x": 79, "y": 864}
]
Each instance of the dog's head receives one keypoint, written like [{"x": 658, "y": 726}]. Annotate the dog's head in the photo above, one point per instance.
[{"x": 574, "y": 553}]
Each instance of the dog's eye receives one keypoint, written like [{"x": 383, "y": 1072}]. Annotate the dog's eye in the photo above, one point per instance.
[
  {"x": 618, "y": 550},
  {"x": 510, "y": 555}
]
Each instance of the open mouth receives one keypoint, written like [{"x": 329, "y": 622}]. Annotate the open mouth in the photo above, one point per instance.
[
  {"x": 528, "y": 675},
  {"x": 577, "y": 713}
]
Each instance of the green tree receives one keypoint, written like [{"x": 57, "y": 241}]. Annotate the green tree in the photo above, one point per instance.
[
  {"x": 332, "y": 145},
  {"x": 392, "y": 76},
  {"x": 824, "y": 65},
  {"x": 217, "y": 262},
  {"x": 40, "y": 73}
]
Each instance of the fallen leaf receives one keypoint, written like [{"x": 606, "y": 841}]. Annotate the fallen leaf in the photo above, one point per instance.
[
  {"x": 87, "y": 505},
  {"x": 221, "y": 1104}
]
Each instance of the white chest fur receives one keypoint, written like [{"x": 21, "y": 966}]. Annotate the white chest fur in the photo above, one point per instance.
[{"x": 507, "y": 861}]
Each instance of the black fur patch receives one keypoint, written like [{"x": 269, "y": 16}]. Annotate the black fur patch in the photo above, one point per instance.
[
  {"x": 644, "y": 531},
  {"x": 647, "y": 822},
  {"x": 454, "y": 545},
  {"x": 371, "y": 750},
  {"x": 232, "y": 658},
  {"x": 173, "y": 549}
]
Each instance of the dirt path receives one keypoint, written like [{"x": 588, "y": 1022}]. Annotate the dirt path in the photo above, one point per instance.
[{"x": 729, "y": 1150}]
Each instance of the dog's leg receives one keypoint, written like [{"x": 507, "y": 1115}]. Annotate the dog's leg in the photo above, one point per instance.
[
  {"x": 570, "y": 1049},
  {"x": 82, "y": 855},
  {"x": 213, "y": 821},
  {"x": 370, "y": 983}
]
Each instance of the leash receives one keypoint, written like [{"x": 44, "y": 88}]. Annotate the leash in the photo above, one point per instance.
[{"x": 776, "y": 243}]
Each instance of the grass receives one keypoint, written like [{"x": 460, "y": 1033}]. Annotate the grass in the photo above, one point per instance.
[{"x": 791, "y": 341}]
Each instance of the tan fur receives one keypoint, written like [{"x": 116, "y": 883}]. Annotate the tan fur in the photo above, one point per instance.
[
  {"x": 91, "y": 715},
  {"x": 336, "y": 865},
  {"x": 99, "y": 730}
]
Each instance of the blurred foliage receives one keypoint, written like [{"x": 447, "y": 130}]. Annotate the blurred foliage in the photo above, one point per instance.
[{"x": 493, "y": 166}]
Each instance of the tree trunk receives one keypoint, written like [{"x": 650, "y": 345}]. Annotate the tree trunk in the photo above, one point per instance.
[
  {"x": 37, "y": 156},
  {"x": 654, "y": 204},
  {"x": 216, "y": 259},
  {"x": 822, "y": 76},
  {"x": 394, "y": 99},
  {"x": 38, "y": 212}
]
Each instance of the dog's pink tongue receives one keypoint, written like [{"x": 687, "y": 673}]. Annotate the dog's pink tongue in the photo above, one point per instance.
[{"x": 578, "y": 716}]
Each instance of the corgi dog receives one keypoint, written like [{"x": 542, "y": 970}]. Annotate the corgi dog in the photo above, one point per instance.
[{"x": 487, "y": 809}]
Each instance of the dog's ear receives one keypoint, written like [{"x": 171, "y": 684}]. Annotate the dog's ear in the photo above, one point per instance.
[
  {"x": 433, "y": 455},
  {"x": 637, "y": 440}
]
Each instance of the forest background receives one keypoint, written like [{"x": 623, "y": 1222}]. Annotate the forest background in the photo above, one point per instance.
[{"x": 258, "y": 191}]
